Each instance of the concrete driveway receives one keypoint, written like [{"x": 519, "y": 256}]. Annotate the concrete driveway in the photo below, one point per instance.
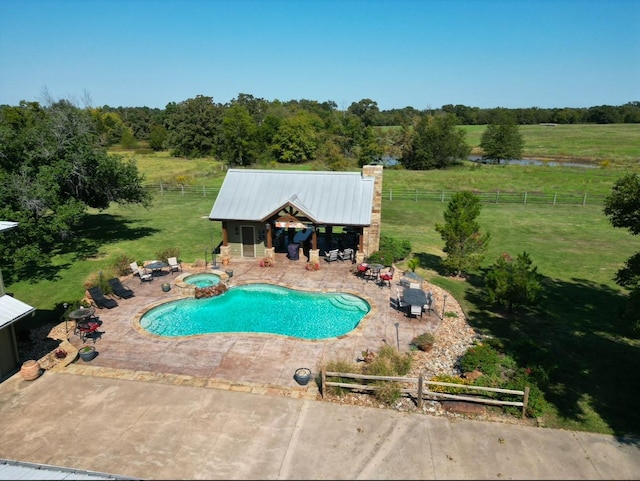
[{"x": 151, "y": 430}]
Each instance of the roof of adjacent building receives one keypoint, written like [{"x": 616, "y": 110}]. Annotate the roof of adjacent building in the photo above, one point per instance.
[
  {"x": 6, "y": 225},
  {"x": 327, "y": 198},
  {"x": 11, "y": 310},
  {"x": 21, "y": 470}
]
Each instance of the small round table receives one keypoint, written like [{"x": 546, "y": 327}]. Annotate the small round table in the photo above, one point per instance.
[{"x": 82, "y": 313}]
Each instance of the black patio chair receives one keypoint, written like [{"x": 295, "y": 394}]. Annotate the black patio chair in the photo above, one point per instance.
[
  {"x": 119, "y": 289},
  {"x": 100, "y": 300}
]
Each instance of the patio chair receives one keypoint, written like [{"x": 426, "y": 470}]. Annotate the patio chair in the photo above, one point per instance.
[
  {"x": 416, "y": 310},
  {"x": 174, "y": 265},
  {"x": 428, "y": 307},
  {"x": 141, "y": 272},
  {"x": 100, "y": 300},
  {"x": 402, "y": 306},
  {"x": 119, "y": 289},
  {"x": 331, "y": 255},
  {"x": 85, "y": 329},
  {"x": 387, "y": 276},
  {"x": 346, "y": 254}
]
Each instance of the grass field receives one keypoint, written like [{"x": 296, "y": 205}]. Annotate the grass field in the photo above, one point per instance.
[
  {"x": 611, "y": 143},
  {"x": 575, "y": 335}
]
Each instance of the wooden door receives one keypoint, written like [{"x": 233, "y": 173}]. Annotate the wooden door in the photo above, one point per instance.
[{"x": 248, "y": 241}]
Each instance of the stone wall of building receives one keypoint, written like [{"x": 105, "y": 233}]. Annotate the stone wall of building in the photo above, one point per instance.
[{"x": 371, "y": 235}]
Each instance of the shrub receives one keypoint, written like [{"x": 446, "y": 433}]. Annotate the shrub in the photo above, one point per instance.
[
  {"x": 413, "y": 263},
  {"x": 399, "y": 249},
  {"x": 121, "y": 264},
  {"x": 341, "y": 366},
  {"x": 452, "y": 380},
  {"x": 388, "y": 392},
  {"x": 513, "y": 282},
  {"x": 164, "y": 254},
  {"x": 99, "y": 279},
  {"x": 482, "y": 357},
  {"x": 381, "y": 257},
  {"x": 389, "y": 362},
  {"x": 537, "y": 404},
  {"x": 424, "y": 341}
]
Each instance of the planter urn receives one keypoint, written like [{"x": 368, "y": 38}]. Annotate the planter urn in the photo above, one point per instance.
[
  {"x": 302, "y": 376},
  {"x": 87, "y": 353},
  {"x": 30, "y": 370}
]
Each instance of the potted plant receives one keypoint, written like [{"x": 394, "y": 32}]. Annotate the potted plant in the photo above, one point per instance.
[
  {"x": 266, "y": 262},
  {"x": 312, "y": 266},
  {"x": 166, "y": 287},
  {"x": 87, "y": 353}
]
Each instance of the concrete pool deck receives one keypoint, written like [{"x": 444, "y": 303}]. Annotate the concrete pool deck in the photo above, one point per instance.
[{"x": 256, "y": 360}]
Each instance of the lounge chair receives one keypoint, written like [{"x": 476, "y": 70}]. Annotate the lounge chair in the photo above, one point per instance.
[
  {"x": 331, "y": 256},
  {"x": 119, "y": 289},
  {"x": 174, "y": 265},
  {"x": 100, "y": 300}
]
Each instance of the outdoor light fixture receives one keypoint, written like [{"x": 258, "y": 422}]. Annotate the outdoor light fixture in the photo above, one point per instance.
[
  {"x": 444, "y": 303},
  {"x": 398, "y": 335}
]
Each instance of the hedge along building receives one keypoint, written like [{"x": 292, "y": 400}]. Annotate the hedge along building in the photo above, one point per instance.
[
  {"x": 11, "y": 311},
  {"x": 266, "y": 211}
]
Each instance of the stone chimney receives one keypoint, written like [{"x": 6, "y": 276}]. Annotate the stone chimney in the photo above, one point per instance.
[{"x": 371, "y": 234}]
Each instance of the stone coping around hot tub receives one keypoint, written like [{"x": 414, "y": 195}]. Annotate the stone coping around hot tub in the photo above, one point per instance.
[{"x": 189, "y": 290}]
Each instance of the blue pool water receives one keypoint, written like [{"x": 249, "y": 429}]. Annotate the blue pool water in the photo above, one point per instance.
[
  {"x": 205, "y": 279},
  {"x": 263, "y": 308}
]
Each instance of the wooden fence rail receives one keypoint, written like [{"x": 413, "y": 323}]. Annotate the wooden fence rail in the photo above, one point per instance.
[{"x": 419, "y": 391}]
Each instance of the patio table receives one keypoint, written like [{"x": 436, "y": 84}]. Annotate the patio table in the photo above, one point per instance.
[
  {"x": 156, "y": 267},
  {"x": 414, "y": 297},
  {"x": 82, "y": 313}
]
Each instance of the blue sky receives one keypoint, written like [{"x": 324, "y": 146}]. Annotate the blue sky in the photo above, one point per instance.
[{"x": 418, "y": 53}]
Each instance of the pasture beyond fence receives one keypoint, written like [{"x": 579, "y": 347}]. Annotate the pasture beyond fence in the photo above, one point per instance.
[
  {"x": 419, "y": 389},
  {"x": 496, "y": 197}
]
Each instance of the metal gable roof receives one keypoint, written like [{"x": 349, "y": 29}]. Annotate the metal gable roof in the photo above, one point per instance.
[
  {"x": 333, "y": 198},
  {"x": 12, "y": 309}
]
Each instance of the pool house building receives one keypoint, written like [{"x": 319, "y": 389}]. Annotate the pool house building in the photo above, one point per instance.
[{"x": 301, "y": 213}]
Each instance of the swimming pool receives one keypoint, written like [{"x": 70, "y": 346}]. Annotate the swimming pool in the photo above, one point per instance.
[
  {"x": 204, "y": 279},
  {"x": 259, "y": 308}
]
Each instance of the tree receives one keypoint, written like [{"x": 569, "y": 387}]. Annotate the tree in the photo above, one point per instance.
[
  {"x": 53, "y": 168},
  {"x": 622, "y": 207},
  {"x": 502, "y": 140},
  {"x": 436, "y": 144},
  {"x": 464, "y": 245},
  {"x": 296, "y": 139},
  {"x": 239, "y": 133},
  {"x": 193, "y": 127},
  {"x": 367, "y": 110},
  {"x": 513, "y": 282}
]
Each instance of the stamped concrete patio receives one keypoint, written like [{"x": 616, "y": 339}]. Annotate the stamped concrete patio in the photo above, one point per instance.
[{"x": 246, "y": 361}]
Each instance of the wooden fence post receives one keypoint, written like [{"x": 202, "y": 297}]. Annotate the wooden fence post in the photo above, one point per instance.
[
  {"x": 525, "y": 400},
  {"x": 323, "y": 381},
  {"x": 420, "y": 391}
]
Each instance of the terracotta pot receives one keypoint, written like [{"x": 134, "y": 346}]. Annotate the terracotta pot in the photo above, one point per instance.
[{"x": 30, "y": 370}]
